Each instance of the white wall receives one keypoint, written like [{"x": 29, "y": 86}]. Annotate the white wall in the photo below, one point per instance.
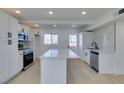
[
  {"x": 105, "y": 18},
  {"x": 32, "y": 44},
  {"x": 63, "y": 37},
  {"x": 105, "y": 38},
  {"x": 38, "y": 45},
  {"x": 119, "y": 64}
]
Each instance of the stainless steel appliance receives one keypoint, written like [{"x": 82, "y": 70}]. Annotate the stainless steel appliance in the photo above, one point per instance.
[
  {"x": 22, "y": 36},
  {"x": 94, "y": 60},
  {"x": 28, "y": 58}
]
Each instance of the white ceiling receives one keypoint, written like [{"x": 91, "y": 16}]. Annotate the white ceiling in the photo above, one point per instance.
[{"x": 60, "y": 16}]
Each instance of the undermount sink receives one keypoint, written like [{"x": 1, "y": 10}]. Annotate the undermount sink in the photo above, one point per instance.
[{"x": 91, "y": 48}]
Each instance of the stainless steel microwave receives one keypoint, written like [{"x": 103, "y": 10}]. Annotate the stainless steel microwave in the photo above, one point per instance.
[{"x": 22, "y": 37}]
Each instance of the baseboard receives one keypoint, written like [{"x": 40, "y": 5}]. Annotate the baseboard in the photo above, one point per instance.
[{"x": 7, "y": 81}]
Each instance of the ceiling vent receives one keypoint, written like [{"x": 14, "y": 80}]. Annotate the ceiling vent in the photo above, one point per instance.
[
  {"x": 89, "y": 31},
  {"x": 119, "y": 12}
]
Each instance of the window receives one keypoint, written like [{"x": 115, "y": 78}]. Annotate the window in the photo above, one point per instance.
[
  {"x": 73, "y": 40},
  {"x": 54, "y": 39},
  {"x": 51, "y": 39},
  {"x": 47, "y": 39}
]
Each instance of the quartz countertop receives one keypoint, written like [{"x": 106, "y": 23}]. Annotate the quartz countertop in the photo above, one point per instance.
[
  {"x": 100, "y": 51},
  {"x": 20, "y": 51},
  {"x": 59, "y": 53}
]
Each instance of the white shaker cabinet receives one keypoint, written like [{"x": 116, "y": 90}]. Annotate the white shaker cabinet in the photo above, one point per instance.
[
  {"x": 24, "y": 28},
  {"x": 87, "y": 56},
  {"x": 8, "y": 46},
  {"x": 87, "y": 39},
  {"x": 13, "y": 48},
  {"x": 20, "y": 61},
  {"x": 3, "y": 48}
]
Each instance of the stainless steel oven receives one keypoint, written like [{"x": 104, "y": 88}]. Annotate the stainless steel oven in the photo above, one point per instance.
[{"x": 28, "y": 58}]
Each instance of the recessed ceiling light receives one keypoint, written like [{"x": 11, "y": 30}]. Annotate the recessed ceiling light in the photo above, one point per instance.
[
  {"x": 73, "y": 25},
  {"x": 18, "y": 12},
  {"x": 83, "y": 13},
  {"x": 36, "y": 25},
  {"x": 54, "y": 25},
  {"x": 50, "y": 12}
]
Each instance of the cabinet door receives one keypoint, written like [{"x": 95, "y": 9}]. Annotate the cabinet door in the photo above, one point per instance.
[
  {"x": 87, "y": 39},
  {"x": 87, "y": 56},
  {"x": 3, "y": 61},
  {"x": 13, "y": 48},
  {"x": 3, "y": 48},
  {"x": 3, "y": 26},
  {"x": 20, "y": 62}
]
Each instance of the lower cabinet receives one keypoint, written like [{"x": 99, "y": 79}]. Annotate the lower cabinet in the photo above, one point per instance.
[
  {"x": 15, "y": 65},
  {"x": 3, "y": 48},
  {"x": 13, "y": 59},
  {"x": 87, "y": 56},
  {"x": 3, "y": 61},
  {"x": 20, "y": 61}
]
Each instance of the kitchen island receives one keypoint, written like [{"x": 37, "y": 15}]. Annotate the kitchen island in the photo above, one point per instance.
[{"x": 54, "y": 65}]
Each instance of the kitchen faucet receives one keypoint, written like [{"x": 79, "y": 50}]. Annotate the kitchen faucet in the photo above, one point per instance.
[{"x": 95, "y": 45}]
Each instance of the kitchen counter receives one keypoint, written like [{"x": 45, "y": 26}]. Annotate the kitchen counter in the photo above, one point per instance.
[
  {"x": 96, "y": 50},
  {"x": 104, "y": 60},
  {"x": 53, "y": 65},
  {"x": 20, "y": 51},
  {"x": 101, "y": 51}
]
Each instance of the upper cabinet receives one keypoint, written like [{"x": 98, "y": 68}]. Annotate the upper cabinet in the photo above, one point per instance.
[
  {"x": 3, "y": 26},
  {"x": 85, "y": 39},
  {"x": 24, "y": 28}
]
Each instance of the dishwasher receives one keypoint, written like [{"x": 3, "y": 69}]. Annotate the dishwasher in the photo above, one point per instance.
[{"x": 94, "y": 60}]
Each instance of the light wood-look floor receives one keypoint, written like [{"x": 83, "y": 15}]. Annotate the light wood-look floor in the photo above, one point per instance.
[
  {"x": 30, "y": 76},
  {"x": 78, "y": 72}
]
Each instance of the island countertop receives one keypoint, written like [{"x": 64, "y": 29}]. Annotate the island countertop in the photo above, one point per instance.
[
  {"x": 53, "y": 65},
  {"x": 59, "y": 53}
]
